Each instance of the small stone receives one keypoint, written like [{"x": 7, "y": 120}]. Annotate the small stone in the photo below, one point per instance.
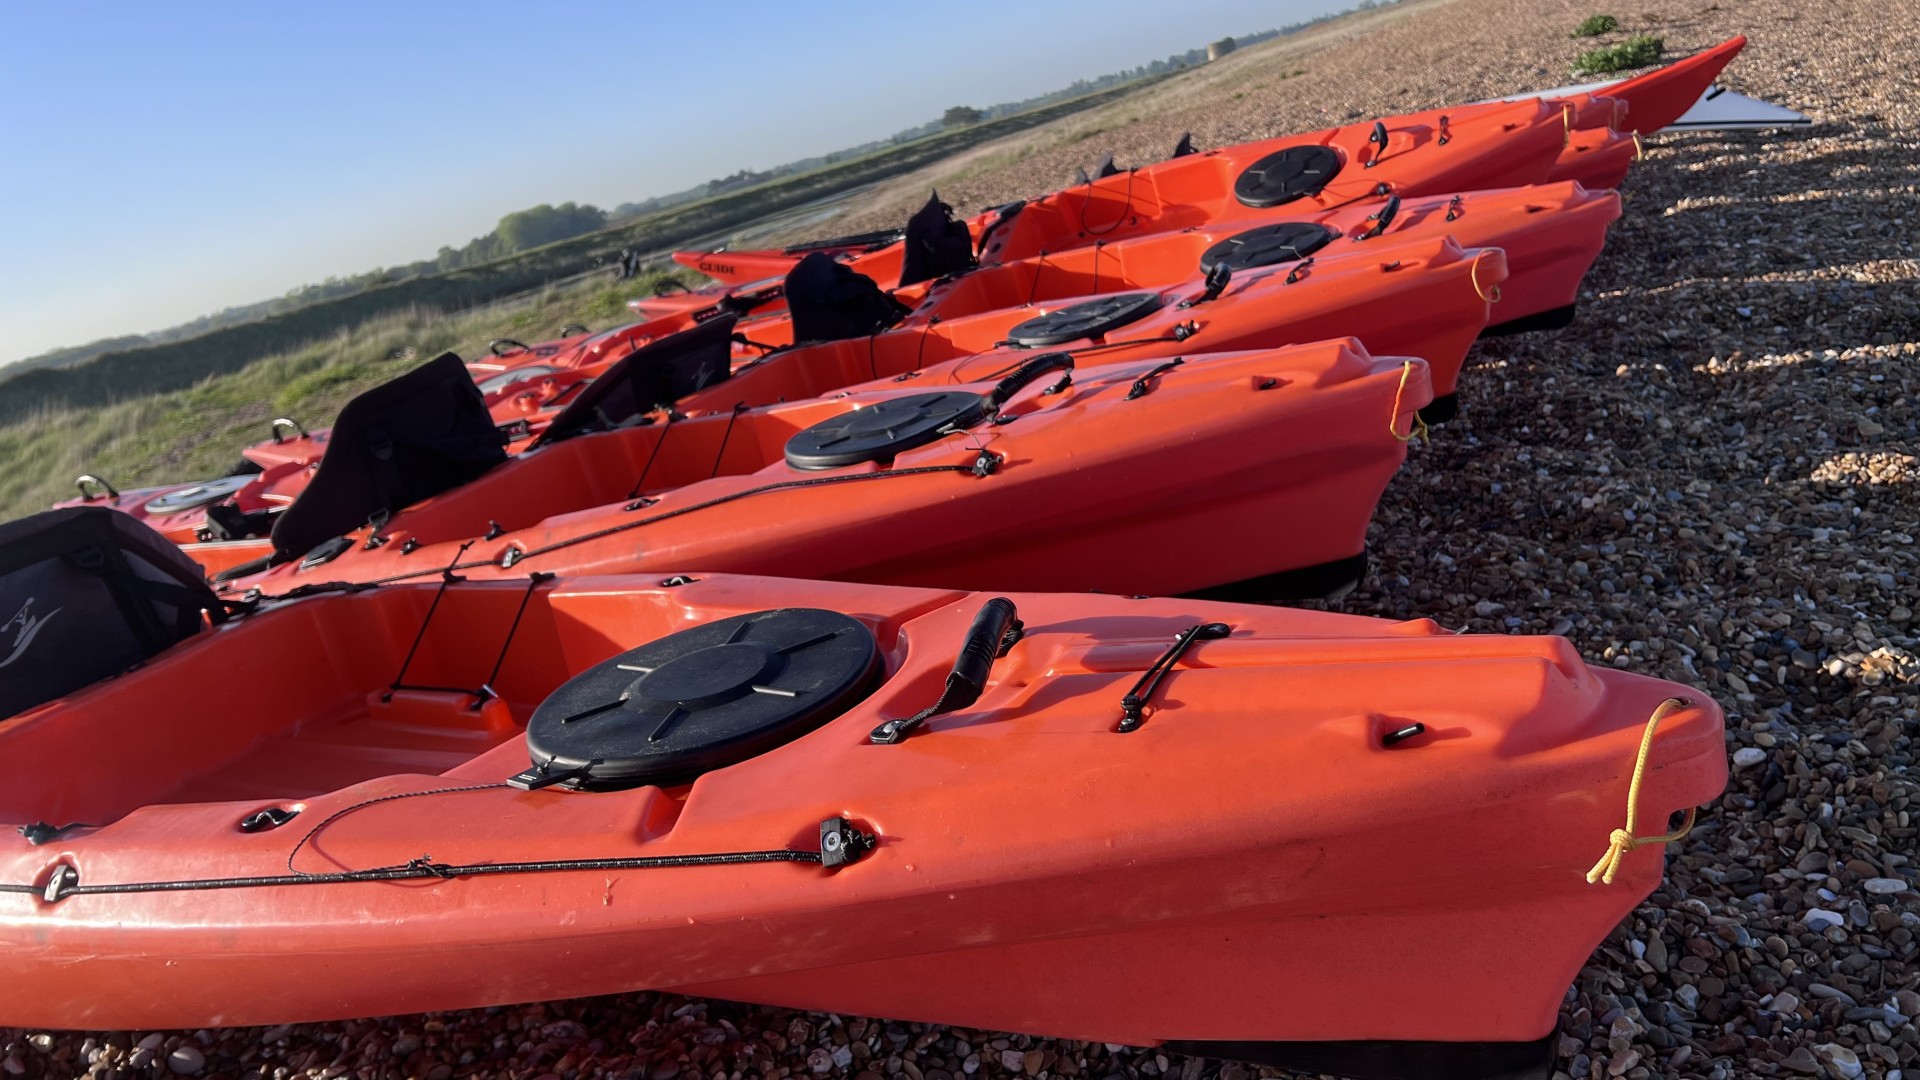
[
  {"x": 406, "y": 1043},
  {"x": 1843, "y": 1062},
  {"x": 1832, "y": 993},
  {"x": 186, "y": 1060},
  {"x": 1785, "y": 1003},
  {"x": 1885, "y": 886},
  {"x": 1748, "y": 756},
  {"x": 1013, "y": 1060},
  {"x": 1657, "y": 954},
  {"x": 1818, "y": 919},
  {"x": 1802, "y": 1061}
]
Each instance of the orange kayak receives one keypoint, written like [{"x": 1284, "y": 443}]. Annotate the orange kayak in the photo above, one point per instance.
[
  {"x": 1048, "y": 478},
  {"x": 522, "y": 385},
  {"x": 1395, "y": 275},
  {"x": 1595, "y": 150},
  {"x": 1494, "y": 144},
  {"x": 930, "y": 805}
]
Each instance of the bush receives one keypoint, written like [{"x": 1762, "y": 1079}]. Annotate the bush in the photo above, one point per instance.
[
  {"x": 1637, "y": 51},
  {"x": 1595, "y": 25}
]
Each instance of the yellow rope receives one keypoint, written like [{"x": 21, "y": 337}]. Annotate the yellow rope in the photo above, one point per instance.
[
  {"x": 1491, "y": 296},
  {"x": 1417, "y": 429},
  {"x": 1566, "y": 121},
  {"x": 1624, "y": 840},
  {"x": 1639, "y": 148}
]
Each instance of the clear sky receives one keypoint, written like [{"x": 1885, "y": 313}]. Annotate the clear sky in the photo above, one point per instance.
[{"x": 167, "y": 160}]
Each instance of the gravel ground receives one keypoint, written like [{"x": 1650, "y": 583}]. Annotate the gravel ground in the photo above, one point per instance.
[{"x": 1713, "y": 476}]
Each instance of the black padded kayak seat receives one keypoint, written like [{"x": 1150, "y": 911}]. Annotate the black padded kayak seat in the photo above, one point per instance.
[
  {"x": 1268, "y": 245},
  {"x": 653, "y": 376},
  {"x": 936, "y": 245},
  {"x": 1084, "y": 320},
  {"x": 405, "y": 440},
  {"x": 1286, "y": 175},
  {"x": 829, "y": 301},
  {"x": 884, "y": 430},
  {"x": 85, "y": 593},
  {"x": 700, "y": 699},
  {"x": 190, "y": 498}
]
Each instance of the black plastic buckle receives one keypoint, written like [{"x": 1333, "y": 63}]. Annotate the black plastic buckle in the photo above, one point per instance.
[{"x": 841, "y": 843}]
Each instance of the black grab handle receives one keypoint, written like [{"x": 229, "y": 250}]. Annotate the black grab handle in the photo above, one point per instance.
[
  {"x": 106, "y": 488},
  {"x": 494, "y": 346},
  {"x": 994, "y": 624},
  {"x": 1378, "y": 139},
  {"x": 977, "y": 654},
  {"x": 1026, "y": 373},
  {"x": 1382, "y": 219}
]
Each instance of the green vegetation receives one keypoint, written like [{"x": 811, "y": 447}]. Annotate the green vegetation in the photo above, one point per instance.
[
  {"x": 1595, "y": 25},
  {"x": 961, "y": 116},
  {"x": 121, "y": 376},
  {"x": 197, "y": 432},
  {"x": 1637, "y": 51}
]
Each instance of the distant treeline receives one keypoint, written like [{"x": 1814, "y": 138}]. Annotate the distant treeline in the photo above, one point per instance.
[
  {"x": 151, "y": 369},
  {"x": 526, "y": 229}
]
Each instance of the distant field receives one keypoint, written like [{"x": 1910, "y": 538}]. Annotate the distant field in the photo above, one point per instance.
[
  {"x": 136, "y": 373},
  {"x": 197, "y": 432}
]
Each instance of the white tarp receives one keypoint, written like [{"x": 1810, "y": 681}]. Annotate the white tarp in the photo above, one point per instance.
[{"x": 1717, "y": 109}]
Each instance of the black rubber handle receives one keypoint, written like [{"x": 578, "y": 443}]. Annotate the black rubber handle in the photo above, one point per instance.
[
  {"x": 1024, "y": 374},
  {"x": 518, "y": 346},
  {"x": 744, "y": 302},
  {"x": 287, "y": 422},
  {"x": 992, "y": 625},
  {"x": 89, "y": 478},
  {"x": 975, "y": 663},
  {"x": 1379, "y": 140},
  {"x": 1384, "y": 218},
  {"x": 572, "y": 329},
  {"x": 669, "y": 286}
]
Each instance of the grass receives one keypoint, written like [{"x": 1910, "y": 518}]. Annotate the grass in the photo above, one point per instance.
[
  {"x": 1637, "y": 51},
  {"x": 1595, "y": 25},
  {"x": 197, "y": 432},
  {"x": 176, "y": 365}
]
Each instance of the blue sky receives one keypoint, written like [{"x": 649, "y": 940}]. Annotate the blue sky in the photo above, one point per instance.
[{"x": 168, "y": 160}]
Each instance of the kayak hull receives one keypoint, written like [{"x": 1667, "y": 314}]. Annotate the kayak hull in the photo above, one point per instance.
[
  {"x": 1277, "y": 456},
  {"x": 1209, "y": 877}
]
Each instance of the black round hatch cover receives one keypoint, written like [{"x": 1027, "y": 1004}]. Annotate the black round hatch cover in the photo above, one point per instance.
[
  {"x": 1268, "y": 245},
  {"x": 1286, "y": 175},
  {"x": 882, "y": 430},
  {"x": 703, "y": 699},
  {"x": 198, "y": 495},
  {"x": 1090, "y": 319}
]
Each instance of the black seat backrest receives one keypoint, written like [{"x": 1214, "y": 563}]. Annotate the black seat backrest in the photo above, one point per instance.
[
  {"x": 829, "y": 301},
  {"x": 85, "y": 593},
  {"x": 652, "y": 376},
  {"x": 935, "y": 245},
  {"x": 408, "y": 439}
]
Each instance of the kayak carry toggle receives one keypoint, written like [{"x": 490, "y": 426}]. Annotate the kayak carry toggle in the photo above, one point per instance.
[{"x": 1132, "y": 706}]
